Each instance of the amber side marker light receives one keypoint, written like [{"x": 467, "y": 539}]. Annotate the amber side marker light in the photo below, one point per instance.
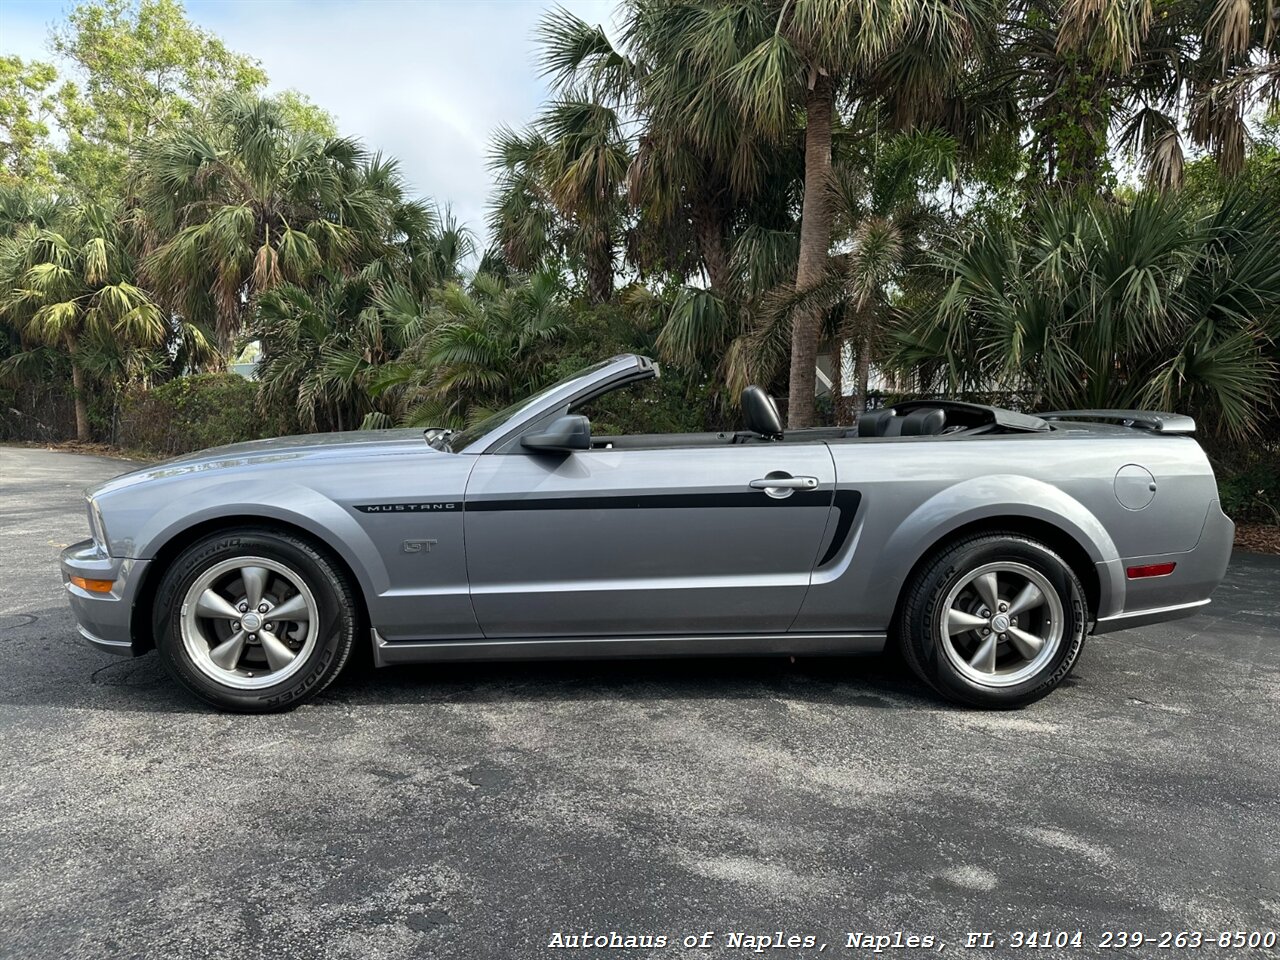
[
  {"x": 1150, "y": 570},
  {"x": 93, "y": 586}
]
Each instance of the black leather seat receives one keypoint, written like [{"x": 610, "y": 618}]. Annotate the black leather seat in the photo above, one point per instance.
[
  {"x": 873, "y": 423},
  {"x": 922, "y": 422},
  {"x": 761, "y": 413}
]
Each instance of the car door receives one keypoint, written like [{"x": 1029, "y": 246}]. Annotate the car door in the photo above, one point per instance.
[{"x": 645, "y": 542}]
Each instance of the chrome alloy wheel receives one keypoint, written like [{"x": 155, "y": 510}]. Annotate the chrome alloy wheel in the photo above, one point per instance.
[
  {"x": 249, "y": 622},
  {"x": 1001, "y": 623}
]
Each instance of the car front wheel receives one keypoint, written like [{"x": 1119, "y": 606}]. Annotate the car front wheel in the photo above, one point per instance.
[
  {"x": 254, "y": 620},
  {"x": 996, "y": 621}
]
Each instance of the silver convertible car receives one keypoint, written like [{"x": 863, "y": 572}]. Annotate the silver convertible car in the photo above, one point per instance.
[{"x": 985, "y": 544}]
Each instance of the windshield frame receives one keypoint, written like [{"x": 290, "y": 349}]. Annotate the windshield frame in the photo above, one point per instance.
[{"x": 496, "y": 432}]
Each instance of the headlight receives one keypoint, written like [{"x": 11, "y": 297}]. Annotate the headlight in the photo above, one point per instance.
[{"x": 97, "y": 529}]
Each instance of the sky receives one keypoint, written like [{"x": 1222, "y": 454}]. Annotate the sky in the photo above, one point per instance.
[{"x": 426, "y": 82}]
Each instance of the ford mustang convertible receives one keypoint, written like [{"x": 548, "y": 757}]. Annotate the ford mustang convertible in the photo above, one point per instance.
[{"x": 984, "y": 544}]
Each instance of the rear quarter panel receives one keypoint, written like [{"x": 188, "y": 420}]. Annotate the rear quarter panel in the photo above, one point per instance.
[{"x": 916, "y": 492}]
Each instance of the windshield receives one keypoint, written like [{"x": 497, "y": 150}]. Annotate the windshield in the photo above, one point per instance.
[{"x": 464, "y": 438}]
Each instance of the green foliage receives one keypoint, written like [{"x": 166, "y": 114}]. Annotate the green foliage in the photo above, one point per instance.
[
  {"x": 134, "y": 69},
  {"x": 301, "y": 114},
  {"x": 1159, "y": 303},
  {"x": 139, "y": 67},
  {"x": 559, "y": 195},
  {"x": 484, "y": 345},
  {"x": 66, "y": 282},
  {"x": 731, "y": 187},
  {"x": 1249, "y": 483},
  {"x": 26, "y": 106},
  {"x": 666, "y": 405},
  {"x": 1204, "y": 182},
  {"x": 191, "y": 413},
  {"x": 245, "y": 201},
  {"x": 682, "y": 400},
  {"x": 323, "y": 349}
]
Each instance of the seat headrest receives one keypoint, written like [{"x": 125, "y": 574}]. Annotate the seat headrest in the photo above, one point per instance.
[
  {"x": 760, "y": 412},
  {"x": 874, "y": 423},
  {"x": 923, "y": 422}
]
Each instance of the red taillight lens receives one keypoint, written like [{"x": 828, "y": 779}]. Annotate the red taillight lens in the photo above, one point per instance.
[{"x": 1150, "y": 570}]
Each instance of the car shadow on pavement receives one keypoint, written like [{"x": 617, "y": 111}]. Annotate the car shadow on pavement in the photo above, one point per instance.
[
  {"x": 873, "y": 681},
  {"x": 79, "y": 677}
]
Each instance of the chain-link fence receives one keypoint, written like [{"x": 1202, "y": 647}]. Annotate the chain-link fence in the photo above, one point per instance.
[{"x": 37, "y": 412}]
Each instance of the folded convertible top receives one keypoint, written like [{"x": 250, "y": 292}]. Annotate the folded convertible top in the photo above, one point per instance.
[
  {"x": 1154, "y": 420},
  {"x": 978, "y": 414}
]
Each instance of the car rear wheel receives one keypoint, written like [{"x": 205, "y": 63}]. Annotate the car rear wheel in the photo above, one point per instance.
[
  {"x": 996, "y": 620},
  {"x": 254, "y": 620}
]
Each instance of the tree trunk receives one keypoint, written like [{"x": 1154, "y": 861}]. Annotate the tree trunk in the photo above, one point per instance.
[
  {"x": 815, "y": 243},
  {"x": 862, "y": 369},
  {"x": 708, "y": 228},
  {"x": 78, "y": 388},
  {"x": 842, "y": 403},
  {"x": 600, "y": 268}
]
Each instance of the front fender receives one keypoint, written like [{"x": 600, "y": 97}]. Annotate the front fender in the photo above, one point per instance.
[{"x": 291, "y": 503}]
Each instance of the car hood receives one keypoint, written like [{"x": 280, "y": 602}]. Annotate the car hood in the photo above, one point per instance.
[{"x": 355, "y": 444}]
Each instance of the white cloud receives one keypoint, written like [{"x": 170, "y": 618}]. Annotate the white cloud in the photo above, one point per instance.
[{"x": 425, "y": 82}]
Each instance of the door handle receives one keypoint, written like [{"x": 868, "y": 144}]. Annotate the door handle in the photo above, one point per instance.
[
  {"x": 780, "y": 485},
  {"x": 784, "y": 483}
]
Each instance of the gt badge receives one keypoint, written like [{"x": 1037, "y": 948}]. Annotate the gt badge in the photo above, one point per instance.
[{"x": 418, "y": 546}]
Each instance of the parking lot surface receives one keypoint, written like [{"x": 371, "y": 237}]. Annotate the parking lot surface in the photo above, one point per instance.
[{"x": 480, "y": 810}]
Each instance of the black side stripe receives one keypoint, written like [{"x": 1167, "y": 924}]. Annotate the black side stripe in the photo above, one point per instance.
[
  {"x": 656, "y": 501},
  {"x": 846, "y": 505}
]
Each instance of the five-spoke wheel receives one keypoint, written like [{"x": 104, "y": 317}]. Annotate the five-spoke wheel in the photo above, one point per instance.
[
  {"x": 249, "y": 622},
  {"x": 1001, "y": 623},
  {"x": 993, "y": 620},
  {"x": 255, "y": 619}
]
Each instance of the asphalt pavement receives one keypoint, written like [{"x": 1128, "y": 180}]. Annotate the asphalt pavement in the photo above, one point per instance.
[{"x": 479, "y": 811}]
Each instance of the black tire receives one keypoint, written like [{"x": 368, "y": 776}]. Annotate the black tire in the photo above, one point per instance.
[
  {"x": 920, "y": 631},
  {"x": 333, "y": 596}
]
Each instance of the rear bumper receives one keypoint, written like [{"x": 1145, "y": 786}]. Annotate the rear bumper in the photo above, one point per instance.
[
  {"x": 1140, "y": 618},
  {"x": 104, "y": 619},
  {"x": 1180, "y": 594}
]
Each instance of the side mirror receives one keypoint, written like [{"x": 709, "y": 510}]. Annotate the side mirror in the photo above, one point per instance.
[{"x": 564, "y": 435}]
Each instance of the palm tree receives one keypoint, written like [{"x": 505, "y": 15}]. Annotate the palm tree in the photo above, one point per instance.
[
  {"x": 323, "y": 347},
  {"x": 560, "y": 192},
  {"x": 1155, "y": 303},
  {"x": 559, "y": 195},
  {"x": 482, "y": 347},
  {"x": 776, "y": 58},
  {"x": 698, "y": 176},
  {"x": 245, "y": 203},
  {"x": 67, "y": 285},
  {"x": 22, "y": 206},
  {"x": 886, "y": 211},
  {"x": 1164, "y": 75},
  {"x": 890, "y": 216}
]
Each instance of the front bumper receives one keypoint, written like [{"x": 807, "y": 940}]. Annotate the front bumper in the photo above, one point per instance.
[
  {"x": 104, "y": 619},
  {"x": 1180, "y": 594}
]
